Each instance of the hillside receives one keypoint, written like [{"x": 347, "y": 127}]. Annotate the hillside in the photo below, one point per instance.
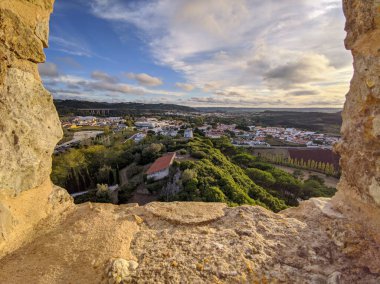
[
  {"x": 315, "y": 121},
  {"x": 65, "y": 107}
]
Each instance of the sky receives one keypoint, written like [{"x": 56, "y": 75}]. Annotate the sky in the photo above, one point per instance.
[{"x": 230, "y": 53}]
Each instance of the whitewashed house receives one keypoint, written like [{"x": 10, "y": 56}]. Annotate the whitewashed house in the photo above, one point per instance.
[{"x": 160, "y": 168}]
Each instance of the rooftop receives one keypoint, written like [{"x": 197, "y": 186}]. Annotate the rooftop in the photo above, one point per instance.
[{"x": 161, "y": 163}]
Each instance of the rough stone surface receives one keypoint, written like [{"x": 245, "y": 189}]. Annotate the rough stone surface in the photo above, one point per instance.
[
  {"x": 44, "y": 238},
  {"x": 246, "y": 245},
  {"x": 20, "y": 214},
  {"x": 189, "y": 213},
  {"x": 359, "y": 187},
  {"x": 30, "y": 129},
  {"x": 29, "y": 125},
  {"x": 120, "y": 270}
]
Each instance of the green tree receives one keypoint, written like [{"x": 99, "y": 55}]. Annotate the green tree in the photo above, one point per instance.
[
  {"x": 260, "y": 177},
  {"x": 188, "y": 174}
]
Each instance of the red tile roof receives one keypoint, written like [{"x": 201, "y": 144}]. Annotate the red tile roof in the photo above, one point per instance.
[{"x": 161, "y": 163}]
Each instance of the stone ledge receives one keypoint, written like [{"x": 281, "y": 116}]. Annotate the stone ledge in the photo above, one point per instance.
[{"x": 187, "y": 213}]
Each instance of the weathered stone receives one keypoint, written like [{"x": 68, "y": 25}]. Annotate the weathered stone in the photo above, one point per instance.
[
  {"x": 359, "y": 149},
  {"x": 42, "y": 32},
  {"x": 30, "y": 129},
  {"x": 120, "y": 270},
  {"x": 20, "y": 38},
  {"x": 187, "y": 213}
]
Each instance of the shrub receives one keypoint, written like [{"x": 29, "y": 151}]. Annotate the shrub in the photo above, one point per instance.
[
  {"x": 261, "y": 177},
  {"x": 188, "y": 174},
  {"x": 214, "y": 194},
  {"x": 199, "y": 155},
  {"x": 182, "y": 152}
]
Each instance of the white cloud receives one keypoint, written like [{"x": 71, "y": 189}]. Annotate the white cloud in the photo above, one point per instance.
[
  {"x": 145, "y": 79},
  {"x": 48, "y": 69},
  {"x": 99, "y": 84},
  {"x": 185, "y": 87},
  {"x": 252, "y": 47},
  {"x": 102, "y": 76}
]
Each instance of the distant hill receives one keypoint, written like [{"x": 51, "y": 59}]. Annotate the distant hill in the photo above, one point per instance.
[
  {"x": 66, "y": 107},
  {"x": 328, "y": 123},
  {"x": 242, "y": 109}
]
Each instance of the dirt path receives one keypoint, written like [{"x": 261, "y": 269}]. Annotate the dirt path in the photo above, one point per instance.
[
  {"x": 329, "y": 181},
  {"x": 123, "y": 177}
]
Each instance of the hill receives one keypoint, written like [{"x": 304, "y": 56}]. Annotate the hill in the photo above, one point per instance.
[
  {"x": 252, "y": 109},
  {"x": 315, "y": 121},
  {"x": 75, "y": 107}
]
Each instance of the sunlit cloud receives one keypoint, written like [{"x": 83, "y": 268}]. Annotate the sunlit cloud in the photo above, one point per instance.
[
  {"x": 272, "y": 53},
  {"x": 145, "y": 79}
]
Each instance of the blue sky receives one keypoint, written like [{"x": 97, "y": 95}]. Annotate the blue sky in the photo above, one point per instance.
[{"x": 249, "y": 53}]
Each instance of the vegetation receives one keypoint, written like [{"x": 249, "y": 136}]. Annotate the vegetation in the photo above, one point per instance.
[
  {"x": 72, "y": 107},
  {"x": 326, "y": 168},
  {"x": 215, "y": 172}
]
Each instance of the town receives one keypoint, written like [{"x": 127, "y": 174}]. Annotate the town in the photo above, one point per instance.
[{"x": 90, "y": 127}]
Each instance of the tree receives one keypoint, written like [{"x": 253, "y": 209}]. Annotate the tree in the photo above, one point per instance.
[
  {"x": 298, "y": 174},
  {"x": 214, "y": 194},
  {"x": 150, "y": 153},
  {"x": 106, "y": 130},
  {"x": 261, "y": 177},
  {"x": 188, "y": 174},
  {"x": 104, "y": 174},
  {"x": 102, "y": 193},
  {"x": 244, "y": 160}
]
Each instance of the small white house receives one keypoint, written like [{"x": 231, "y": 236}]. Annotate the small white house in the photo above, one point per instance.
[
  {"x": 188, "y": 133},
  {"x": 160, "y": 168}
]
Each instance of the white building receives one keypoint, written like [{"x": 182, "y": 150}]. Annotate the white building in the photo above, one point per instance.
[
  {"x": 188, "y": 133},
  {"x": 160, "y": 168}
]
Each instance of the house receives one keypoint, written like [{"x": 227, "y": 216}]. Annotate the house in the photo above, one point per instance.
[
  {"x": 138, "y": 137},
  {"x": 160, "y": 168},
  {"x": 188, "y": 133}
]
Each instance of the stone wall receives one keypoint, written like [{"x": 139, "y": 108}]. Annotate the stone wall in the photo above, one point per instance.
[
  {"x": 359, "y": 188},
  {"x": 29, "y": 124}
]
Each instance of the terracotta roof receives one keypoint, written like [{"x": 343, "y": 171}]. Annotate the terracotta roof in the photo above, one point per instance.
[{"x": 161, "y": 163}]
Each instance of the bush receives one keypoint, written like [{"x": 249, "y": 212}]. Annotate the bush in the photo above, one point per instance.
[
  {"x": 199, "y": 155},
  {"x": 244, "y": 160},
  {"x": 214, "y": 194},
  {"x": 156, "y": 186},
  {"x": 261, "y": 177},
  {"x": 191, "y": 185},
  {"x": 188, "y": 174},
  {"x": 182, "y": 152}
]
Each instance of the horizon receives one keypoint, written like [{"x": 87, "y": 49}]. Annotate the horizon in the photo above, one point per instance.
[
  {"x": 339, "y": 109},
  {"x": 199, "y": 54}
]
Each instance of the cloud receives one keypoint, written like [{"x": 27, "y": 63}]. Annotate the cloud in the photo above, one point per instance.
[
  {"x": 229, "y": 94},
  {"x": 303, "y": 93},
  {"x": 104, "y": 77},
  {"x": 48, "y": 69},
  {"x": 70, "y": 46},
  {"x": 69, "y": 61},
  {"x": 306, "y": 69},
  {"x": 74, "y": 46},
  {"x": 145, "y": 79},
  {"x": 100, "y": 84},
  {"x": 186, "y": 87},
  {"x": 257, "y": 48}
]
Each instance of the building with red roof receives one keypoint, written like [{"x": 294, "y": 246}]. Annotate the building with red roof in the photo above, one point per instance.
[{"x": 160, "y": 168}]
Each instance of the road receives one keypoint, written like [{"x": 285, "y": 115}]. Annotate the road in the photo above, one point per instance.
[{"x": 78, "y": 137}]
